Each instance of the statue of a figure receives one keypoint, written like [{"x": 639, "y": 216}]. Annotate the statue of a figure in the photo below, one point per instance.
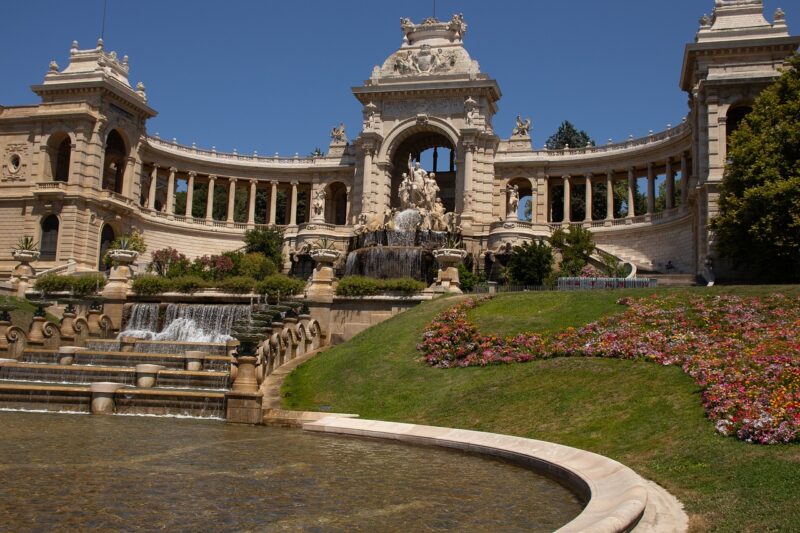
[
  {"x": 337, "y": 134},
  {"x": 471, "y": 110},
  {"x": 318, "y": 205},
  {"x": 404, "y": 193},
  {"x": 450, "y": 223},
  {"x": 513, "y": 201},
  {"x": 431, "y": 191},
  {"x": 522, "y": 129},
  {"x": 438, "y": 222}
]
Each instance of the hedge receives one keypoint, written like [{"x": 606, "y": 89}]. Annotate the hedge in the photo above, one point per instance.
[
  {"x": 363, "y": 286},
  {"x": 77, "y": 285},
  {"x": 280, "y": 286}
]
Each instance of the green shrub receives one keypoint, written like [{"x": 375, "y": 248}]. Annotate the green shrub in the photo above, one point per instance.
[
  {"x": 467, "y": 278},
  {"x": 87, "y": 284},
  {"x": 256, "y": 265},
  {"x": 267, "y": 241},
  {"x": 531, "y": 263},
  {"x": 237, "y": 284},
  {"x": 151, "y": 284},
  {"x": 188, "y": 284},
  {"x": 52, "y": 283},
  {"x": 363, "y": 286},
  {"x": 280, "y": 286}
]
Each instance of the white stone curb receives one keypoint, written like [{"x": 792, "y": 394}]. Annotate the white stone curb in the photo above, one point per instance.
[{"x": 617, "y": 497}]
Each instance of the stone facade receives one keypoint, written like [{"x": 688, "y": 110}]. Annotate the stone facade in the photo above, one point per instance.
[{"x": 79, "y": 168}]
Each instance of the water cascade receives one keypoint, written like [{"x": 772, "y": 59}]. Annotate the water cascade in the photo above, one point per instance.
[{"x": 185, "y": 322}]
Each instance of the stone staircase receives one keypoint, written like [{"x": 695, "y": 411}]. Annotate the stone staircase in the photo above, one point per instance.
[
  {"x": 72, "y": 379},
  {"x": 629, "y": 255},
  {"x": 675, "y": 280}
]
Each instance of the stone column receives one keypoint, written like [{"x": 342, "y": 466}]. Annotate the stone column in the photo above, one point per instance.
[
  {"x": 210, "y": 198},
  {"x": 190, "y": 193},
  {"x": 670, "y": 186},
  {"x": 171, "y": 191},
  {"x": 469, "y": 148},
  {"x": 273, "y": 202},
  {"x": 567, "y": 203},
  {"x": 610, "y": 195},
  {"x": 251, "y": 204},
  {"x": 366, "y": 200},
  {"x": 631, "y": 192},
  {"x": 588, "y": 217},
  {"x": 651, "y": 189},
  {"x": 231, "y": 198},
  {"x": 684, "y": 178},
  {"x": 293, "y": 209},
  {"x": 347, "y": 206},
  {"x": 151, "y": 193}
]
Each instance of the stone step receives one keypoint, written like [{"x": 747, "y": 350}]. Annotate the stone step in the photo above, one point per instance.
[
  {"x": 675, "y": 280},
  {"x": 126, "y": 359}
]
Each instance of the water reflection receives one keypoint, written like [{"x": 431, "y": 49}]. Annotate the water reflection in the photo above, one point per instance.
[{"x": 93, "y": 472}]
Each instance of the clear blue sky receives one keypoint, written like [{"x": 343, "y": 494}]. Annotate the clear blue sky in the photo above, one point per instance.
[{"x": 276, "y": 76}]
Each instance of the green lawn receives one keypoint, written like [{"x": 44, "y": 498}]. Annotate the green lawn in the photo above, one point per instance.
[{"x": 647, "y": 416}]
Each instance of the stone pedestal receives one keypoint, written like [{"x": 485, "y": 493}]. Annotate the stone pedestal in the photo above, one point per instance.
[
  {"x": 147, "y": 375},
  {"x": 66, "y": 354},
  {"x": 68, "y": 325},
  {"x": 322, "y": 287},
  {"x": 194, "y": 360},
  {"x": 36, "y": 334},
  {"x": 244, "y": 400},
  {"x": 119, "y": 283},
  {"x": 103, "y": 397},
  {"x": 23, "y": 272},
  {"x": 447, "y": 280}
]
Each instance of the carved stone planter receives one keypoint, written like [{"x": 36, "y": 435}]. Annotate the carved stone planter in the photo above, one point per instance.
[
  {"x": 23, "y": 272},
  {"x": 123, "y": 257},
  {"x": 26, "y": 256},
  {"x": 321, "y": 288},
  {"x": 447, "y": 280}
]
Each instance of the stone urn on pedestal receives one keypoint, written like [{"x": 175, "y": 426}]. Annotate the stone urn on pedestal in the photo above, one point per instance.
[
  {"x": 23, "y": 272},
  {"x": 322, "y": 280},
  {"x": 447, "y": 279},
  {"x": 119, "y": 281}
]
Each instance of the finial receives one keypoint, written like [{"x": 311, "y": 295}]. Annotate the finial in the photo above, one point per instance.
[
  {"x": 780, "y": 16},
  {"x": 235, "y": 151},
  {"x": 74, "y": 47},
  {"x": 125, "y": 60},
  {"x": 53, "y": 66},
  {"x": 100, "y": 43},
  {"x": 141, "y": 91},
  {"x": 705, "y": 21}
]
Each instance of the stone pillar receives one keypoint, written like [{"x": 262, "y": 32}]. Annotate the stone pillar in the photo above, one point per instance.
[
  {"x": 670, "y": 185},
  {"x": 251, "y": 205},
  {"x": 347, "y": 207},
  {"x": 151, "y": 193},
  {"x": 588, "y": 217},
  {"x": 231, "y": 198},
  {"x": 210, "y": 199},
  {"x": 631, "y": 192},
  {"x": 171, "y": 191},
  {"x": 273, "y": 202},
  {"x": 567, "y": 203},
  {"x": 684, "y": 178},
  {"x": 651, "y": 189},
  {"x": 190, "y": 193},
  {"x": 367, "y": 200},
  {"x": 468, "y": 154},
  {"x": 610, "y": 195},
  {"x": 293, "y": 208}
]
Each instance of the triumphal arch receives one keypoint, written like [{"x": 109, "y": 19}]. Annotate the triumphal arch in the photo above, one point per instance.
[{"x": 80, "y": 168}]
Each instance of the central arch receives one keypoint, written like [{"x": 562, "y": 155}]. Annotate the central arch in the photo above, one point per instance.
[{"x": 434, "y": 148}]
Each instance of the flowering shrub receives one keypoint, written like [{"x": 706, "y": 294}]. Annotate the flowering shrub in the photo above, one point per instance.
[
  {"x": 589, "y": 271},
  {"x": 743, "y": 352}
]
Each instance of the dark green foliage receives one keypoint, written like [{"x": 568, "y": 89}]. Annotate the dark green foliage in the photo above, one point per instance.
[
  {"x": 364, "y": 286},
  {"x": 267, "y": 241},
  {"x": 575, "y": 246},
  {"x": 280, "y": 286},
  {"x": 188, "y": 284},
  {"x": 530, "y": 263},
  {"x": 77, "y": 285},
  {"x": 758, "y": 225},
  {"x": 151, "y": 284},
  {"x": 568, "y": 135},
  {"x": 256, "y": 265},
  {"x": 467, "y": 278},
  {"x": 237, "y": 284}
]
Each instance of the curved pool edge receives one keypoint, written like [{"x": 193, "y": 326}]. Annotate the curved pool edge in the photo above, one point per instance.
[{"x": 618, "y": 499}]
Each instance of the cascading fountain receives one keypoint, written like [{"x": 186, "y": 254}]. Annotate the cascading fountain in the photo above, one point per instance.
[{"x": 184, "y": 322}]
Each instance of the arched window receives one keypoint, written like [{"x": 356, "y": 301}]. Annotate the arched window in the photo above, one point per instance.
[
  {"x": 336, "y": 208},
  {"x": 61, "y": 170},
  {"x": 524, "y": 198},
  {"x": 114, "y": 162},
  {"x": 107, "y": 236},
  {"x": 49, "y": 240}
]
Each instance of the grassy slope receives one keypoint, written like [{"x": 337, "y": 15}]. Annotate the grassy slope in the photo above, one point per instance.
[{"x": 646, "y": 416}]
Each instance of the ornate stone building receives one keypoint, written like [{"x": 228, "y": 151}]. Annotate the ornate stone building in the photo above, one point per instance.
[{"x": 79, "y": 168}]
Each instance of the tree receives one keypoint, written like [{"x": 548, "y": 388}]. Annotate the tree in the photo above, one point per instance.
[
  {"x": 758, "y": 225},
  {"x": 568, "y": 135},
  {"x": 575, "y": 246},
  {"x": 266, "y": 241},
  {"x": 530, "y": 263}
]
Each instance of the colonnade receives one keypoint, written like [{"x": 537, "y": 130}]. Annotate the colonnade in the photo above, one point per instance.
[{"x": 589, "y": 179}]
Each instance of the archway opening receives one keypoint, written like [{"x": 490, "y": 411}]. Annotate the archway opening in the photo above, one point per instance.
[
  {"x": 435, "y": 153},
  {"x": 114, "y": 162},
  {"x": 107, "y": 236},
  {"x": 525, "y": 207},
  {"x": 59, "y": 150},
  {"x": 336, "y": 204},
  {"x": 49, "y": 242}
]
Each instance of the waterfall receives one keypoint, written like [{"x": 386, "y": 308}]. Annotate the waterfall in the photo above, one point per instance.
[
  {"x": 143, "y": 317},
  {"x": 389, "y": 262},
  {"x": 190, "y": 323}
]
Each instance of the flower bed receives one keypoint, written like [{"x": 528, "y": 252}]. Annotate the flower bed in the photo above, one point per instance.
[{"x": 743, "y": 352}]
